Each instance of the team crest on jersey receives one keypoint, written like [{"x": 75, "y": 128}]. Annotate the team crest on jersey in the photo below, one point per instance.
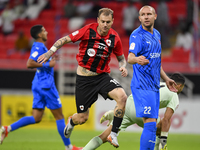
[
  {"x": 91, "y": 52},
  {"x": 108, "y": 42},
  {"x": 34, "y": 54},
  {"x": 75, "y": 33},
  {"x": 132, "y": 46}
]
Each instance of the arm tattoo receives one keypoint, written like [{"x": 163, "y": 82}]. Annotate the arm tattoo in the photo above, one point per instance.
[
  {"x": 61, "y": 42},
  {"x": 48, "y": 54},
  {"x": 122, "y": 61},
  {"x": 88, "y": 73},
  {"x": 119, "y": 113}
]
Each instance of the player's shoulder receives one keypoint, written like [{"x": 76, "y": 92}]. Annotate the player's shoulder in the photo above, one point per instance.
[
  {"x": 137, "y": 33},
  {"x": 156, "y": 32},
  {"x": 91, "y": 25}
]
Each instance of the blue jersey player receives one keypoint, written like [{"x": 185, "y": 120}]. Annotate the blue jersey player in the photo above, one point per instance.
[
  {"x": 145, "y": 56},
  {"x": 44, "y": 90}
]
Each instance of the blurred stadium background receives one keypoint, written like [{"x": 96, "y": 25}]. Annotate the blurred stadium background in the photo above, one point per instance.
[{"x": 15, "y": 83}]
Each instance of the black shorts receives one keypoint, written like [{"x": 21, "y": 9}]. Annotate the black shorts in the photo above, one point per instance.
[{"x": 88, "y": 88}]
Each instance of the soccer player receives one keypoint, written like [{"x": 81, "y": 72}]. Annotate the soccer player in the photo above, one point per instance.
[
  {"x": 168, "y": 100},
  {"x": 43, "y": 88},
  {"x": 145, "y": 57},
  {"x": 98, "y": 41}
]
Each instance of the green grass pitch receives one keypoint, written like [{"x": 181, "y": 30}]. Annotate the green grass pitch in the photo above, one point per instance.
[{"x": 48, "y": 139}]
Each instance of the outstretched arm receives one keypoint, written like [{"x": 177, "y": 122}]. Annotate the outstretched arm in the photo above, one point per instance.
[
  {"x": 122, "y": 65},
  {"x": 58, "y": 44}
]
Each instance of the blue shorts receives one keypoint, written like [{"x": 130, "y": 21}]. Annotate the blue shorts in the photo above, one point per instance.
[
  {"x": 45, "y": 97},
  {"x": 146, "y": 102}
]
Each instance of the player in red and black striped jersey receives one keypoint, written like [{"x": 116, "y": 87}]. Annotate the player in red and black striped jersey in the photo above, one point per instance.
[{"x": 98, "y": 41}]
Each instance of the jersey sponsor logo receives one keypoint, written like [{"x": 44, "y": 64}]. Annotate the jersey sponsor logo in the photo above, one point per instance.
[
  {"x": 91, "y": 52},
  {"x": 102, "y": 55},
  {"x": 154, "y": 55},
  {"x": 101, "y": 46},
  {"x": 34, "y": 54},
  {"x": 37, "y": 48},
  {"x": 75, "y": 33},
  {"x": 108, "y": 42},
  {"x": 132, "y": 46},
  {"x": 81, "y": 107}
]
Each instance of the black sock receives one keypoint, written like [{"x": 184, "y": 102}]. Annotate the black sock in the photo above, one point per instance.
[
  {"x": 116, "y": 124},
  {"x": 71, "y": 122}
]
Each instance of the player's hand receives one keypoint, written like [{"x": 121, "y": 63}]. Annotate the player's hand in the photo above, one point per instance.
[
  {"x": 142, "y": 60},
  {"x": 44, "y": 57},
  {"x": 124, "y": 71},
  {"x": 170, "y": 84},
  {"x": 55, "y": 57}
]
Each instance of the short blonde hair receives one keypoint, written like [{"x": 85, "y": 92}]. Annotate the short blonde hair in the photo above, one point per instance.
[{"x": 106, "y": 12}]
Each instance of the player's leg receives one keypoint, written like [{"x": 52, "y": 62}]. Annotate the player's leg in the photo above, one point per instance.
[
  {"x": 77, "y": 118},
  {"x": 60, "y": 122},
  {"x": 86, "y": 94},
  {"x": 24, "y": 121},
  {"x": 98, "y": 140},
  {"x": 119, "y": 95},
  {"x": 147, "y": 108}
]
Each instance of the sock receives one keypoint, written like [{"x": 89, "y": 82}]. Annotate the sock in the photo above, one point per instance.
[
  {"x": 157, "y": 143},
  {"x": 93, "y": 143},
  {"x": 24, "y": 121},
  {"x": 69, "y": 147},
  {"x": 148, "y": 137},
  {"x": 116, "y": 124},
  {"x": 163, "y": 138},
  {"x": 60, "y": 127},
  {"x": 72, "y": 123}
]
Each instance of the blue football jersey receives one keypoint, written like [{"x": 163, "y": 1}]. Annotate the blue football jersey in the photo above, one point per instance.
[
  {"x": 142, "y": 42},
  {"x": 44, "y": 76}
]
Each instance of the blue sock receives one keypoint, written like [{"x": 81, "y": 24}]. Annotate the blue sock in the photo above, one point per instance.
[
  {"x": 24, "y": 121},
  {"x": 60, "y": 127},
  {"x": 148, "y": 137}
]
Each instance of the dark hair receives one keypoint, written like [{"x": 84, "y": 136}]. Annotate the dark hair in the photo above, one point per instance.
[
  {"x": 178, "y": 78},
  {"x": 35, "y": 30},
  {"x": 106, "y": 12}
]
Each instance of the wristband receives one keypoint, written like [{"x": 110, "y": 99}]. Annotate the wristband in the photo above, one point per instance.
[
  {"x": 45, "y": 64},
  {"x": 53, "y": 48}
]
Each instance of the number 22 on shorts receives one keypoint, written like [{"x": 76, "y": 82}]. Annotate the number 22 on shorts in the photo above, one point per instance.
[{"x": 147, "y": 110}]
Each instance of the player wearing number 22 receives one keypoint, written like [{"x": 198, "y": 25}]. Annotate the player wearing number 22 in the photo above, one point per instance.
[{"x": 145, "y": 56}]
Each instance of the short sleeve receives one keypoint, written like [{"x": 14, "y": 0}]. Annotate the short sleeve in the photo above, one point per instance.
[
  {"x": 135, "y": 44},
  {"x": 174, "y": 103},
  {"x": 35, "y": 53},
  {"x": 118, "y": 50},
  {"x": 77, "y": 35}
]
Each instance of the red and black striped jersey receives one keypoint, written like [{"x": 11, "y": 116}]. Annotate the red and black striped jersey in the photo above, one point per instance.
[{"x": 95, "y": 50}]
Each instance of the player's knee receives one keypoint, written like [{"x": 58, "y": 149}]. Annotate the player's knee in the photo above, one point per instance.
[
  {"x": 122, "y": 100},
  {"x": 37, "y": 120}
]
